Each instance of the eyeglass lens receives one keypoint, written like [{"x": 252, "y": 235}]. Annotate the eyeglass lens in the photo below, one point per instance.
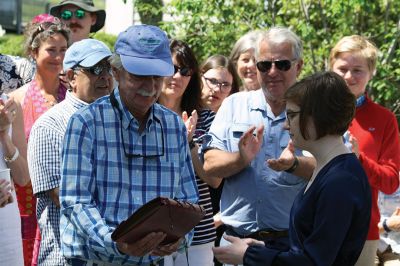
[
  {"x": 184, "y": 71},
  {"x": 213, "y": 83},
  {"x": 291, "y": 115},
  {"x": 97, "y": 69},
  {"x": 265, "y": 66},
  {"x": 67, "y": 14}
]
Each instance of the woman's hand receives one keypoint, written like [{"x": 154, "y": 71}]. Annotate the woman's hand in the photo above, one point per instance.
[
  {"x": 8, "y": 111},
  {"x": 5, "y": 194},
  {"x": 190, "y": 123}
]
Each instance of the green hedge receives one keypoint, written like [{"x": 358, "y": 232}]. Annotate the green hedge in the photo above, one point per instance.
[{"x": 13, "y": 44}]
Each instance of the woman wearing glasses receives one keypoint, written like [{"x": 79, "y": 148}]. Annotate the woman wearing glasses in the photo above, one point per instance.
[
  {"x": 330, "y": 216},
  {"x": 242, "y": 56},
  {"x": 181, "y": 93},
  {"x": 46, "y": 43},
  {"x": 373, "y": 133},
  {"x": 219, "y": 79}
]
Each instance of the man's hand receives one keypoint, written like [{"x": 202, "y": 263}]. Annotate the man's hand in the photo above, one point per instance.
[
  {"x": 143, "y": 246},
  {"x": 232, "y": 254},
  {"x": 190, "y": 123},
  {"x": 250, "y": 145},
  {"x": 285, "y": 160},
  {"x": 168, "y": 249}
]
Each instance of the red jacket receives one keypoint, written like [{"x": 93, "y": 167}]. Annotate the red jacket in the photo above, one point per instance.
[{"x": 377, "y": 132}]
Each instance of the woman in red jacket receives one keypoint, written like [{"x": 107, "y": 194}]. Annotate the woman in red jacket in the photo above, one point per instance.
[{"x": 373, "y": 133}]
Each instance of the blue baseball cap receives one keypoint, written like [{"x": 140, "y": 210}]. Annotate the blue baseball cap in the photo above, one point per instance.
[
  {"x": 85, "y": 53},
  {"x": 144, "y": 51}
]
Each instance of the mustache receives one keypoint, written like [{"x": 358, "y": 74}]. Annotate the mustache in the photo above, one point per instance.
[
  {"x": 146, "y": 93},
  {"x": 75, "y": 25}
]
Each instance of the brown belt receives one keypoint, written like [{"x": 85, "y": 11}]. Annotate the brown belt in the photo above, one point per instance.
[{"x": 263, "y": 234}]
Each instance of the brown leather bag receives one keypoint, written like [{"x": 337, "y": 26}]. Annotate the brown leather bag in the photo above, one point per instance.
[{"x": 175, "y": 218}]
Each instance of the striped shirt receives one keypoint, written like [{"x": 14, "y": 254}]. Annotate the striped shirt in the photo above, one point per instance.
[
  {"x": 204, "y": 232},
  {"x": 44, "y": 161},
  {"x": 101, "y": 186}
]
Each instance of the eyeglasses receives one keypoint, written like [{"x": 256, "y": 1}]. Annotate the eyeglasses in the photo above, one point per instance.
[
  {"x": 67, "y": 14},
  {"x": 146, "y": 153},
  {"x": 283, "y": 65},
  {"x": 214, "y": 83},
  {"x": 184, "y": 71},
  {"x": 290, "y": 115},
  {"x": 96, "y": 70}
]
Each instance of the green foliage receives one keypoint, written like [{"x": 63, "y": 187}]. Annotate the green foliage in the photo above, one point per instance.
[
  {"x": 12, "y": 44},
  {"x": 108, "y": 39},
  {"x": 150, "y": 11},
  {"x": 213, "y": 26}
]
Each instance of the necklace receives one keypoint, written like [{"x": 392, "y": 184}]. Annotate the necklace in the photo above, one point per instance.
[{"x": 51, "y": 103}]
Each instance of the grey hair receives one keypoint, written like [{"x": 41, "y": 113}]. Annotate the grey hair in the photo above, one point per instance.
[
  {"x": 245, "y": 43},
  {"x": 279, "y": 35},
  {"x": 37, "y": 33},
  {"x": 115, "y": 61}
]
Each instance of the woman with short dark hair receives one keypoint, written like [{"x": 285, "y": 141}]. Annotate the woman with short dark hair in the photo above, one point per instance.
[{"x": 329, "y": 219}]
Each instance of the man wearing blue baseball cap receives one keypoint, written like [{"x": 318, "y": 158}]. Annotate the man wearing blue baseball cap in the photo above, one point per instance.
[
  {"x": 121, "y": 152},
  {"x": 89, "y": 76}
]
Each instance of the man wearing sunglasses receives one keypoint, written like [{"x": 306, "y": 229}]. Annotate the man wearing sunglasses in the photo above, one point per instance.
[
  {"x": 121, "y": 152},
  {"x": 88, "y": 73},
  {"x": 81, "y": 16},
  {"x": 256, "y": 199}
]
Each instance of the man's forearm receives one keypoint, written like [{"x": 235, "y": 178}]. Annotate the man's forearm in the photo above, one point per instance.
[
  {"x": 306, "y": 167},
  {"x": 223, "y": 164}
]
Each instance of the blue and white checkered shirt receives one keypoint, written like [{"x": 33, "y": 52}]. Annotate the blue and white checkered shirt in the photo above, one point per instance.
[
  {"x": 101, "y": 186},
  {"x": 44, "y": 160}
]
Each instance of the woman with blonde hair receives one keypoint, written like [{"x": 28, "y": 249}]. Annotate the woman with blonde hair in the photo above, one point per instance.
[
  {"x": 373, "y": 133},
  {"x": 242, "y": 56}
]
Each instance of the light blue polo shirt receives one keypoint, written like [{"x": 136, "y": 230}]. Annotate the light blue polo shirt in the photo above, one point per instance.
[{"x": 257, "y": 197}]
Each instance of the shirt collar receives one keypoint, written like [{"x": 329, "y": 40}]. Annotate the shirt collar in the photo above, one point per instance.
[
  {"x": 128, "y": 119},
  {"x": 259, "y": 103},
  {"x": 74, "y": 101}
]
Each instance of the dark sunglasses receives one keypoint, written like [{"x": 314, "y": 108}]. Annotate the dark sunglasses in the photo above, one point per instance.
[
  {"x": 184, "y": 71},
  {"x": 67, "y": 14},
  {"x": 96, "y": 69},
  {"x": 283, "y": 65}
]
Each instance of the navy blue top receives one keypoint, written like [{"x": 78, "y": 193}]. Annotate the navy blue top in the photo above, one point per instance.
[{"x": 328, "y": 223}]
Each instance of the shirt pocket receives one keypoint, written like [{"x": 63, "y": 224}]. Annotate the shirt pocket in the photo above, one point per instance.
[{"x": 236, "y": 131}]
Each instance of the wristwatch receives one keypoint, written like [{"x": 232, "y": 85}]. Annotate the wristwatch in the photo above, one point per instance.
[
  {"x": 385, "y": 227},
  {"x": 294, "y": 166},
  {"x": 13, "y": 158}
]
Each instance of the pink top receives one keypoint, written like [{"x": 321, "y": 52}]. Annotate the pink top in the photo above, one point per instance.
[{"x": 34, "y": 104}]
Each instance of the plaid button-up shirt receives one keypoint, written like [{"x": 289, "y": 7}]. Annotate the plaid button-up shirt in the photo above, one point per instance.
[{"x": 101, "y": 186}]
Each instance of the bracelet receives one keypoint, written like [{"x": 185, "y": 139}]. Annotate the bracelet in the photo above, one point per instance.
[
  {"x": 13, "y": 158},
  {"x": 294, "y": 166},
  {"x": 192, "y": 144},
  {"x": 385, "y": 227}
]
